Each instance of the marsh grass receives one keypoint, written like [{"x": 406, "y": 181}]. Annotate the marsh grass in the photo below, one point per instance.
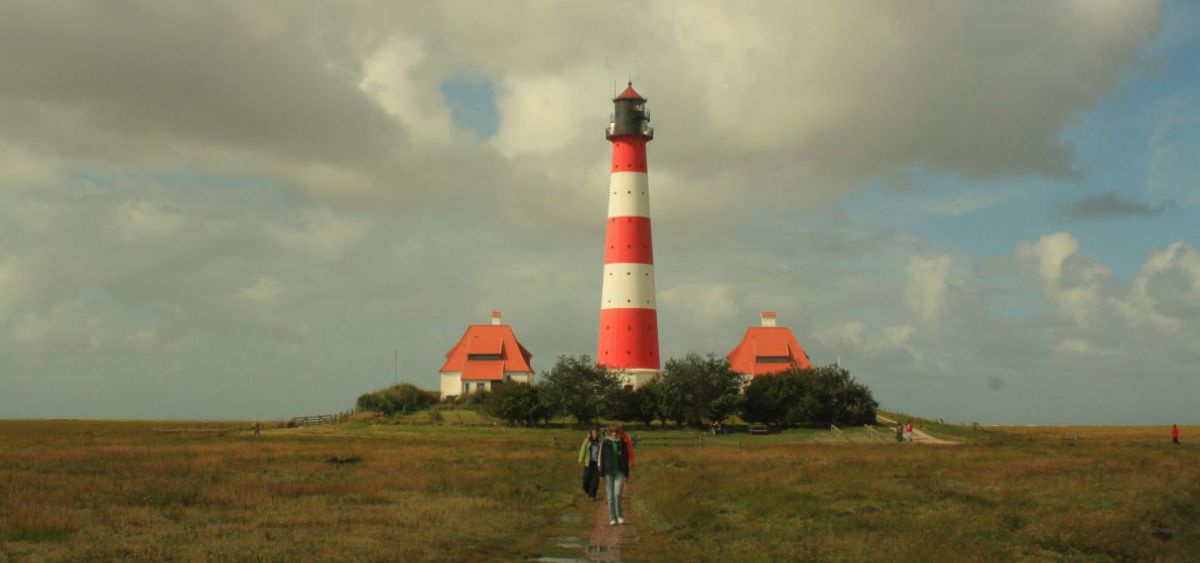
[
  {"x": 158, "y": 491},
  {"x": 1108, "y": 494},
  {"x": 83, "y": 490}
]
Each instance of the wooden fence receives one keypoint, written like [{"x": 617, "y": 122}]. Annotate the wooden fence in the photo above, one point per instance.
[
  {"x": 320, "y": 419},
  {"x": 698, "y": 441}
]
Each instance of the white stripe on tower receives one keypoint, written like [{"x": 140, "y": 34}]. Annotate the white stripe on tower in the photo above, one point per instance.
[{"x": 629, "y": 195}]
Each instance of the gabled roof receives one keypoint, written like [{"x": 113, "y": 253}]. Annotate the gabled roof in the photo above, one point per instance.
[
  {"x": 770, "y": 342},
  {"x": 629, "y": 94},
  {"x": 488, "y": 340}
]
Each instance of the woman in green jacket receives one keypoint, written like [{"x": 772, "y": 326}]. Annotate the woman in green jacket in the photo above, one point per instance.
[{"x": 589, "y": 458}]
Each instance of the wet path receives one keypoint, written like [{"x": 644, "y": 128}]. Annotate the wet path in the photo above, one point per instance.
[{"x": 582, "y": 533}]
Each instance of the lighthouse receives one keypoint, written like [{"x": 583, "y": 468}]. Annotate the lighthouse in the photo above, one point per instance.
[{"x": 628, "y": 342}]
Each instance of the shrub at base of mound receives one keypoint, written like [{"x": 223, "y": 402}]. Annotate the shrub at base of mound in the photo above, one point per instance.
[
  {"x": 825, "y": 395},
  {"x": 401, "y": 398},
  {"x": 516, "y": 404}
]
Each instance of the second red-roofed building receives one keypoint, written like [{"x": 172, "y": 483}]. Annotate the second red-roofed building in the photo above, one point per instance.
[
  {"x": 767, "y": 350},
  {"x": 485, "y": 355}
]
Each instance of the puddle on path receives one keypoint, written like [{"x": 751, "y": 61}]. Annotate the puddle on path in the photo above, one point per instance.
[{"x": 582, "y": 534}]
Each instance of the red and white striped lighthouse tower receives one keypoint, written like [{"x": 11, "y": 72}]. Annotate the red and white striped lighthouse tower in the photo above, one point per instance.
[{"x": 628, "y": 314}]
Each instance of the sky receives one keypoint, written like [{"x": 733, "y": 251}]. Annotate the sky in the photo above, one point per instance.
[{"x": 211, "y": 210}]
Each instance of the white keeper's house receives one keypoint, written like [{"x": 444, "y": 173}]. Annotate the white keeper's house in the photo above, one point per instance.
[{"x": 485, "y": 355}]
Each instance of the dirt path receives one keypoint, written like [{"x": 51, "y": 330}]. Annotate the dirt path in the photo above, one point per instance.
[
  {"x": 919, "y": 437},
  {"x": 582, "y": 533}
]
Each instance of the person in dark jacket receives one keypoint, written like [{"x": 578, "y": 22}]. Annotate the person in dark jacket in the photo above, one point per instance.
[
  {"x": 616, "y": 459},
  {"x": 589, "y": 458}
]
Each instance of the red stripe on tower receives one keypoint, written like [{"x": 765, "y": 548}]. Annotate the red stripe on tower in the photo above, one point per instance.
[{"x": 628, "y": 340}]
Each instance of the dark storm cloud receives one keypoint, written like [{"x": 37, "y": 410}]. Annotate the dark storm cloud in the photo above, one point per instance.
[
  {"x": 1110, "y": 205},
  {"x": 155, "y": 76}
]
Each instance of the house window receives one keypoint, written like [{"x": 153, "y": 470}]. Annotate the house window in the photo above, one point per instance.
[
  {"x": 472, "y": 357},
  {"x": 773, "y": 359}
]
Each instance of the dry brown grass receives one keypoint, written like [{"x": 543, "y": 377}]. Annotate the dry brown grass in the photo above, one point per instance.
[
  {"x": 1026, "y": 494},
  {"x": 210, "y": 491},
  {"x": 187, "y": 491}
]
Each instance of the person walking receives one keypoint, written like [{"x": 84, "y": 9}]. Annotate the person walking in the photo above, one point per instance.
[
  {"x": 908, "y": 431},
  {"x": 589, "y": 458},
  {"x": 1175, "y": 434},
  {"x": 899, "y": 431},
  {"x": 616, "y": 459}
]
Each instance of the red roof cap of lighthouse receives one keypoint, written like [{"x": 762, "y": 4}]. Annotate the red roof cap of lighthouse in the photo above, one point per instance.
[
  {"x": 486, "y": 352},
  {"x": 629, "y": 94},
  {"x": 775, "y": 344}
]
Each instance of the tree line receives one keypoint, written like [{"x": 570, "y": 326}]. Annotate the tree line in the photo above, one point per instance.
[{"x": 691, "y": 391}]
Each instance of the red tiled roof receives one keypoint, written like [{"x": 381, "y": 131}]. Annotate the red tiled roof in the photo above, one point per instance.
[
  {"x": 767, "y": 341},
  {"x": 771, "y": 346},
  {"x": 630, "y": 94},
  {"x": 490, "y": 340},
  {"x": 477, "y": 370}
]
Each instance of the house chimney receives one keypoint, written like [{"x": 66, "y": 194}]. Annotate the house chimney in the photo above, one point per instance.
[
  {"x": 768, "y": 318},
  {"x": 495, "y": 317}
]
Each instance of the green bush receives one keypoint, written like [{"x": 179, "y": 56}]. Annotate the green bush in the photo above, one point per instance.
[
  {"x": 697, "y": 389},
  {"x": 404, "y": 397},
  {"x": 476, "y": 400},
  {"x": 823, "y": 395},
  {"x": 517, "y": 404},
  {"x": 578, "y": 387}
]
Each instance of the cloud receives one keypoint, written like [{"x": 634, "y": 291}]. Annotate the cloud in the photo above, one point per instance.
[
  {"x": 1109, "y": 205},
  {"x": 345, "y": 104},
  {"x": 229, "y": 209},
  {"x": 1072, "y": 283},
  {"x": 968, "y": 202},
  {"x": 926, "y": 290}
]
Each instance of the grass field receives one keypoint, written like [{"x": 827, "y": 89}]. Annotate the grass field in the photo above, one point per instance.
[{"x": 462, "y": 491}]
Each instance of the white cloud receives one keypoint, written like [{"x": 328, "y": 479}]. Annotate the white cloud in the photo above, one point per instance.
[
  {"x": 704, "y": 302},
  {"x": 144, "y": 220},
  {"x": 391, "y": 79},
  {"x": 1082, "y": 347},
  {"x": 926, "y": 290},
  {"x": 542, "y": 112},
  {"x": 1166, "y": 292},
  {"x": 321, "y": 234},
  {"x": 263, "y": 290},
  {"x": 65, "y": 327},
  {"x": 855, "y": 336},
  {"x": 1073, "y": 283}
]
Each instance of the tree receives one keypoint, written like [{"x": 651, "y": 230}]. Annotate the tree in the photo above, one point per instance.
[
  {"x": 641, "y": 405},
  {"x": 700, "y": 388},
  {"x": 404, "y": 397},
  {"x": 823, "y": 395},
  {"x": 648, "y": 403},
  {"x": 622, "y": 405},
  {"x": 653, "y": 400},
  {"x": 578, "y": 387},
  {"x": 516, "y": 403}
]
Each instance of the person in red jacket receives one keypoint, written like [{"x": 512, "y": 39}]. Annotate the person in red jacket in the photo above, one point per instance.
[{"x": 1175, "y": 434}]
